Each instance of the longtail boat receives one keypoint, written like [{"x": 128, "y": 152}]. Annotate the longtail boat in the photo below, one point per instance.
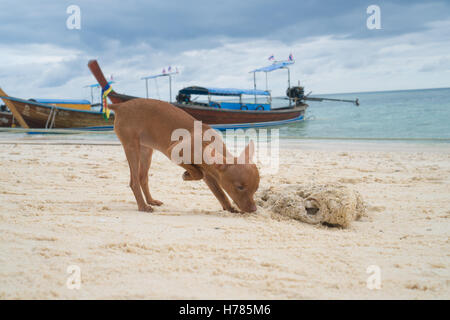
[
  {"x": 222, "y": 115},
  {"x": 57, "y": 113}
]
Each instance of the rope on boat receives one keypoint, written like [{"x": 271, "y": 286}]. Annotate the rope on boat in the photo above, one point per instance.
[{"x": 51, "y": 118}]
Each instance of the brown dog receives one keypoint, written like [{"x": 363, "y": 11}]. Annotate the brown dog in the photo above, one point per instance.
[{"x": 143, "y": 125}]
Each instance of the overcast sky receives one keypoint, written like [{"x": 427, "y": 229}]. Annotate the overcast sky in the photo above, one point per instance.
[{"x": 217, "y": 43}]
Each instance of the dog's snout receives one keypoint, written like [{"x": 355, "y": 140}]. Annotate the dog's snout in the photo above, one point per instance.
[{"x": 247, "y": 207}]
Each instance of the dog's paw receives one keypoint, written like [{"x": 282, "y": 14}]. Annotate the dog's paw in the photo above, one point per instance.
[
  {"x": 154, "y": 202},
  {"x": 231, "y": 209},
  {"x": 146, "y": 208},
  {"x": 186, "y": 176}
]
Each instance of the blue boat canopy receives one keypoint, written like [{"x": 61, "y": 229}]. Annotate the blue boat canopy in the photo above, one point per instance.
[
  {"x": 61, "y": 101},
  {"x": 223, "y": 91},
  {"x": 272, "y": 67}
]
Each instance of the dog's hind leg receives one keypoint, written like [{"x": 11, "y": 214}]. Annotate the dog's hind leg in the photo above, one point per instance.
[
  {"x": 132, "y": 151},
  {"x": 144, "y": 165}
]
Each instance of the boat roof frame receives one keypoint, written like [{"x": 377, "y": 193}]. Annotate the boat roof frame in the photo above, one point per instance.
[
  {"x": 223, "y": 91},
  {"x": 276, "y": 65},
  {"x": 164, "y": 74}
]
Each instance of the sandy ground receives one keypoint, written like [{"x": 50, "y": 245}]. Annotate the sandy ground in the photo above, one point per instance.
[{"x": 63, "y": 205}]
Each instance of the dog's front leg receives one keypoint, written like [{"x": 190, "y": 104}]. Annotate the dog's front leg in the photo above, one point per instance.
[{"x": 218, "y": 192}]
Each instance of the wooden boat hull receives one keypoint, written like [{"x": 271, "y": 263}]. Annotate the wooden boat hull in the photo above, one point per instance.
[
  {"x": 224, "y": 116},
  {"x": 39, "y": 115},
  {"x": 6, "y": 119}
]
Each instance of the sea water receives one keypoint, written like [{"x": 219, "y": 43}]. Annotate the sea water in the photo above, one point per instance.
[{"x": 403, "y": 115}]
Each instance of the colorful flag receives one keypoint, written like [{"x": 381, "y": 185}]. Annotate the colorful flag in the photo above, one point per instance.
[
  {"x": 169, "y": 69},
  {"x": 272, "y": 57},
  {"x": 291, "y": 57},
  {"x": 105, "y": 110}
]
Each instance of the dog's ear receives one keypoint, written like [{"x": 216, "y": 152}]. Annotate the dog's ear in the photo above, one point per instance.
[{"x": 248, "y": 153}]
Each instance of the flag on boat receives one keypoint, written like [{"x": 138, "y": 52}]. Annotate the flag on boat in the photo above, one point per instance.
[
  {"x": 291, "y": 57},
  {"x": 105, "y": 110},
  {"x": 271, "y": 58},
  {"x": 169, "y": 69}
]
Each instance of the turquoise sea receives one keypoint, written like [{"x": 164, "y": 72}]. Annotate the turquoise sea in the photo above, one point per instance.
[{"x": 407, "y": 115}]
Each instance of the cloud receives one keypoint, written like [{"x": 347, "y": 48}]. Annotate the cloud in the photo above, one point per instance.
[
  {"x": 442, "y": 64},
  {"x": 216, "y": 44},
  {"x": 169, "y": 25}
]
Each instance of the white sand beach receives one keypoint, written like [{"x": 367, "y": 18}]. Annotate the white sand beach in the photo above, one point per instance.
[{"x": 63, "y": 205}]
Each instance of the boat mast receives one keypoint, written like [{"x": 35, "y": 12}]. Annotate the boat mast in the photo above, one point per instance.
[
  {"x": 170, "y": 88},
  {"x": 289, "y": 82},
  {"x": 164, "y": 74}
]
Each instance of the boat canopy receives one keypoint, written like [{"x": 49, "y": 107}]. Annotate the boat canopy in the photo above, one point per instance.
[
  {"x": 223, "y": 91},
  {"x": 274, "y": 66},
  {"x": 61, "y": 101}
]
